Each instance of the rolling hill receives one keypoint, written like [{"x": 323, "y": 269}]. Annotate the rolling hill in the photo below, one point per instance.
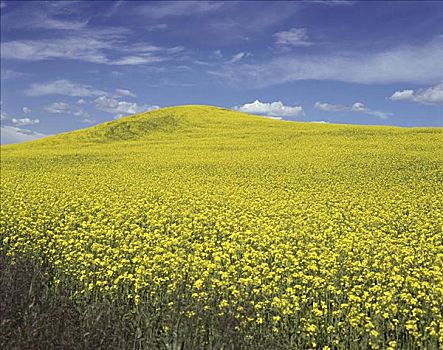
[{"x": 244, "y": 231}]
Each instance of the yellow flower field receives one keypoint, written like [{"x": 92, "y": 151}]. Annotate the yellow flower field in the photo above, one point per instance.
[{"x": 234, "y": 227}]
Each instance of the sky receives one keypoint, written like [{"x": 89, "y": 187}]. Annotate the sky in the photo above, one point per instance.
[{"x": 67, "y": 65}]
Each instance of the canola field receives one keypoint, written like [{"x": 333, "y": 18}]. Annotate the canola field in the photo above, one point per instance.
[{"x": 213, "y": 229}]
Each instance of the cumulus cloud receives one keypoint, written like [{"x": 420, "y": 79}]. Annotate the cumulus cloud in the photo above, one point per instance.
[
  {"x": 273, "y": 109},
  {"x": 295, "y": 37},
  {"x": 119, "y": 107},
  {"x": 57, "y": 107},
  {"x": 24, "y": 121},
  {"x": 62, "y": 87},
  {"x": 12, "y": 134},
  {"x": 429, "y": 96},
  {"x": 357, "y": 107},
  {"x": 26, "y": 110}
]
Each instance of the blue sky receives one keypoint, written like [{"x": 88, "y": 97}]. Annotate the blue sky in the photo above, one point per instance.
[{"x": 72, "y": 64}]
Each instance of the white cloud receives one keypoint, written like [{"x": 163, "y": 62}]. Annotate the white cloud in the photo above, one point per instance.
[
  {"x": 334, "y": 2},
  {"x": 87, "y": 49},
  {"x": 24, "y": 121},
  {"x": 218, "y": 54},
  {"x": 430, "y": 96},
  {"x": 3, "y": 115},
  {"x": 9, "y": 74},
  {"x": 56, "y": 24},
  {"x": 177, "y": 8},
  {"x": 57, "y": 107},
  {"x": 295, "y": 37},
  {"x": 62, "y": 87},
  {"x": 135, "y": 60},
  {"x": 402, "y": 95},
  {"x": 26, "y": 110},
  {"x": 357, "y": 107},
  {"x": 120, "y": 108},
  {"x": 328, "y": 107},
  {"x": 90, "y": 46},
  {"x": 414, "y": 64},
  {"x": 273, "y": 109},
  {"x": 155, "y": 27},
  {"x": 239, "y": 56},
  {"x": 276, "y": 118},
  {"x": 47, "y": 15},
  {"x": 81, "y": 101},
  {"x": 2, "y": 4},
  {"x": 12, "y": 134},
  {"x": 66, "y": 109},
  {"x": 124, "y": 92}
]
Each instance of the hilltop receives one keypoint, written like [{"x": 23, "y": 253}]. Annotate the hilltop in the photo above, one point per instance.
[{"x": 200, "y": 121}]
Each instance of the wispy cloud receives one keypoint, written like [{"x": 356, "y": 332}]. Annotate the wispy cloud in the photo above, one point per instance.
[
  {"x": 66, "y": 109},
  {"x": 63, "y": 87},
  {"x": 416, "y": 64},
  {"x": 357, "y": 107},
  {"x": 294, "y": 37},
  {"x": 51, "y": 15},
  {"x": 24, "y": 121},
  {"x": 242, "y": 24},
  {"x": 26, "y": 110},
  {"x": 109, "y": 46},
  {"x": 429, "y": 96},
  {"x": 13, "y": 134},
  {"x": 239, "y": 56},
  {"x": 333, "y": 2},
  {"x": 9, "y": 74},
  {"x": 177, "y": 8},
  {"x": 124, "y": 92},
  {"x": 3, "y": 115},
  {"x": 155, "y": 27},
  {"x": 72, "y": 48},
  {"x": 136, "y": 60},
  {"x": 273, "y": 109},
  {"x": 44, "y": 22},
  {"x": 328, "y": 107}
]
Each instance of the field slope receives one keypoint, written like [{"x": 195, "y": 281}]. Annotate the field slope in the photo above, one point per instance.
[{"x": 205, "y": 228}]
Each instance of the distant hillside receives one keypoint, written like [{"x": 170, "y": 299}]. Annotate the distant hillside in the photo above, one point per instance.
[{"x": 207, "y": 121}]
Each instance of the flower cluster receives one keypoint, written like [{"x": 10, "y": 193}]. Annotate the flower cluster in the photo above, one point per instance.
[{"x": 328, "y": 235}]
